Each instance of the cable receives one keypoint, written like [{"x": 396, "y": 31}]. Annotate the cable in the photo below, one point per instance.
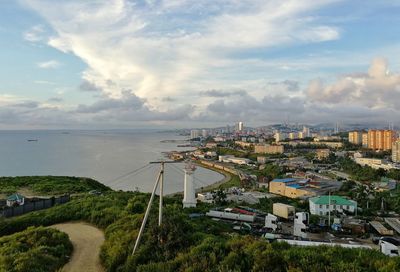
[
  {"x": 136, "y": 171},
  {"x": 194, "y": 177}
]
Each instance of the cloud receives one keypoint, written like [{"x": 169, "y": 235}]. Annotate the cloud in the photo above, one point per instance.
[
  {"x": 377, "y": 89},
  {"x": 34, "y": 34},
  {"x": 51, "y": 64},
  {"x": 220, "y": 93},
  {"x": 55, "y": 99},
  {"x": 139, "y": 47},
  {"x": 89, "y": 87}
]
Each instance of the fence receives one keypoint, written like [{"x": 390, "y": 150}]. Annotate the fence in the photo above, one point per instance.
[{"x": 34, "y": 205}]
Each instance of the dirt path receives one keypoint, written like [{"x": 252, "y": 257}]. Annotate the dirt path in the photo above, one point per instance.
[{"x": 87, "y": 241}]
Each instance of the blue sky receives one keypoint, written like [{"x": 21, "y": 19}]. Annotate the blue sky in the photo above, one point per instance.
[{"x": 181, "y": 63}]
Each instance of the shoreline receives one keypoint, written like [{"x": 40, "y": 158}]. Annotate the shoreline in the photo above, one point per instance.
[{"x": 228, "y": 177}]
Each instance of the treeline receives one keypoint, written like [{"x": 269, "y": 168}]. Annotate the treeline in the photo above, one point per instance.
[
  {"x": 366, "y": 173},
  {"x": 50, "y": 184},
  {"x": 34, "y": 250}
]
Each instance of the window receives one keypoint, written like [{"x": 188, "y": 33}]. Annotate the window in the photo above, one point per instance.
[
  {"x": 341, "y": 207},
  {"x": 347, "y": 207},
  {"x": 321, "y": 213},
  {"x": 320, "y": 206},
  {"x": 395, "y": 252},
  {"x": 327, "y": 206},
  {"x": 334, "y": 207}
]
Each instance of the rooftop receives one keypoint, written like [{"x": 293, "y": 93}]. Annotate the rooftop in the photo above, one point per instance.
[
  {"x": 335, "y": 200},
  {"x": 285, "y": 180},
  {"x": 15, "y": 197}
]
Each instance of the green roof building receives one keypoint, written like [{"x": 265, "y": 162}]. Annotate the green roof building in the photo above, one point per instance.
[
  {"x": 321, "y": 205},
  {"x": 15, "y": 199}
]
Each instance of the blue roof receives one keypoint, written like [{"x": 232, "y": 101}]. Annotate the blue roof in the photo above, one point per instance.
[
  {"x": 284, "y": 180},
  {"x": 296, "y": 186}
]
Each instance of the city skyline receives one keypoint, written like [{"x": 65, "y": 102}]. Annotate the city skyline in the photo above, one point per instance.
[{"x": 129, "y": 64}]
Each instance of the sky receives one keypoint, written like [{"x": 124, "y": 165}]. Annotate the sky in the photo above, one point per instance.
[{"x": 198, "y": 63}]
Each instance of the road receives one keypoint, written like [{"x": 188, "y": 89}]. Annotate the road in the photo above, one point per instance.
[{"x": 86, "y": 240}]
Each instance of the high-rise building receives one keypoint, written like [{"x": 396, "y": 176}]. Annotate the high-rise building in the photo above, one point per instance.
[
  {"x": 204, "y": 133},
  {"x": 355, "y": 137},
  {"x": 380, "y": 139},
  {"x": 240, "y": 126},
  {"x": 396, "y": 151},
  {"x": 194, "y": 133},
  {"x": 306, "y": 132},
  {"x": 364, "y": 137}
]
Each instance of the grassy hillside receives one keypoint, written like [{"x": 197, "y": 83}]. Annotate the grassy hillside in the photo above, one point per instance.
[
  {"x": 49, "y": 185},
  {"x": 34, "y": 250},
  {"x": 184, "y": 244}
]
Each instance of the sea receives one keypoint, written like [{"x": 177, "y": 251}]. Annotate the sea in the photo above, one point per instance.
[{"x": 117, "y": 158}]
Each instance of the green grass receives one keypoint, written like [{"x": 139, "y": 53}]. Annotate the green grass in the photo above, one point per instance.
[
  {"x": 45, "y": 185},
  {"x": 35, "y": 249}
]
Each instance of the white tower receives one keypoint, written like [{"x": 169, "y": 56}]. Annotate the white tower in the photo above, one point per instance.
[{"x": 189, "y": 197}]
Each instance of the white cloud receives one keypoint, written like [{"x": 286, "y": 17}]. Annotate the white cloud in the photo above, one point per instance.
[
  {"x": 51, "y": 64},
  {"x": 34, "y": 34},
  {"x": 173, "y": 48}
]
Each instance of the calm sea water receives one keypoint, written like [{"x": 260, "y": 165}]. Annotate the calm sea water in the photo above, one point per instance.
[{"x": 102, "y": 155}]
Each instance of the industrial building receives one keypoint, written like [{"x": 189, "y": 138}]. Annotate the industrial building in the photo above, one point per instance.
[{"x": 289, "y": 187}]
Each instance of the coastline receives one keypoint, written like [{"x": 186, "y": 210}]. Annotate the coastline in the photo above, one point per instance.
[{"x": 228, "y": 180}]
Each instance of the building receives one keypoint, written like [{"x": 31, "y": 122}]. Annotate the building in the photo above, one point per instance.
[
  {"x": 204, "y": 133},
  {"x": 292, "y": 135},
  {"x": 355, "y": 137},
  {"x": 323, "y": 153},
  {"x": 321, "y": 205},
  {"x": 239, "y": 127},
  {"x": 269, "y": 149},
  {"x": 15, "y": 200},
  {"x": 290, "y": 187},
  {"x": 243, "y": 144},
  {"x": 261, "y": 160},
  {"x": 233, "y": 159},
  {"x": 194, "y": 133},
  {"x": 380, "y": 139},
  {"x": 396, "y": 151},
  {"x": 364, "y": 140},
  {"x": 375, "y": 163},
  {"x": 280, "y": 136},
  {"x": 306, "y": 132}
]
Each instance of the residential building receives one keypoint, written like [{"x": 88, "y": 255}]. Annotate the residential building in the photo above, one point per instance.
[
  {"x": 322, "y": 153},
  {"x": 321, "y": 205},
  {"x": 396, "y": 151},
  {"x": 204, "y": 133},
  {"x": 306, "y": 132},
  {"x": 380, "y": 139},
  {"x": 194, "y": 133},
  {"x": 269, "y": 149},
  {"x": 280, "y": 136},
  {"x": 355, "y": 137},
  {"x": 239, "y": 127},
  {"x": 364, "y": 140},
  {"x": 243, "y": 144}
]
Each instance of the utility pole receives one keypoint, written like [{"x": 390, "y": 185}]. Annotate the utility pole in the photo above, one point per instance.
[
  {"x": 160, "y": 179},
  {"x": 329, "y": 210},
  {"x": 161, "y": 194},
  {"x": 146, "y": 215}
]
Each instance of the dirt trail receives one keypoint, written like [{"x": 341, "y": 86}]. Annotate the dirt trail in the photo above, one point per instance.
[{"x": 87, "y": 240}]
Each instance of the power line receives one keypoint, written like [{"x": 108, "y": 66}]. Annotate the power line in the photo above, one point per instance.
[{"x": 133, "y": 172}]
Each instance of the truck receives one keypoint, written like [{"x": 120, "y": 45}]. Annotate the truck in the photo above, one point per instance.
[{"x": 283, "y": 210}]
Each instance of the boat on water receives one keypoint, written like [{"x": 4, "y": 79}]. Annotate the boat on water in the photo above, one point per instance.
[{"x": 32, "y": 140}]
